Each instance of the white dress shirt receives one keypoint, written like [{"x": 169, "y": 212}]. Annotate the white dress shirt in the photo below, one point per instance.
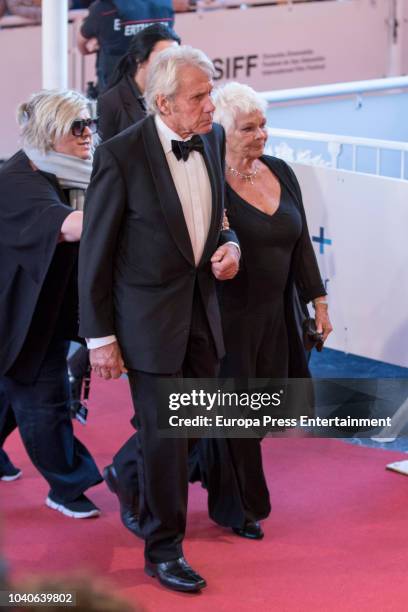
[
  {"x": 194, "y": 190},
  {"x": 193, "y": 187}
]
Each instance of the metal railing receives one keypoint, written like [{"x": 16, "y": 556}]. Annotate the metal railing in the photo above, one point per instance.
[
  {"x": 335, "y": 143},
  {"x": 336, "y": 89}
]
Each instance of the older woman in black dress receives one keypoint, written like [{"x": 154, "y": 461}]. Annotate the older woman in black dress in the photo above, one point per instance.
[
  {"x": 264, "y": 207},
  {"x": 40, "y": 188},
  {"x": 122, "y": 104}
]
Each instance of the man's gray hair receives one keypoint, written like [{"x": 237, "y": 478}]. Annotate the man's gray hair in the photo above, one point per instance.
[
  {"x": 48, "y": 115},
  {"x": 234, "y": 98},
  {"x": 162, "y": 78}
]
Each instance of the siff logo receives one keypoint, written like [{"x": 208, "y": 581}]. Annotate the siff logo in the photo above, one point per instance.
[{"x": 231, "y": 67}]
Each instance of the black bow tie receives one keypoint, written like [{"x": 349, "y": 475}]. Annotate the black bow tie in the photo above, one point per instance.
[{"x": 182, "y": 149}]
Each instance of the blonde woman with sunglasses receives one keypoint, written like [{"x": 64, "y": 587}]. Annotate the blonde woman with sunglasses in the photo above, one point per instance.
[{"x": 41, "y": 193}]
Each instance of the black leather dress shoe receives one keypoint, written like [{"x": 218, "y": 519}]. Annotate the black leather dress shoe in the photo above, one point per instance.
[
  {"x": 128, "y": 506},
  {"x": 176, "y": 575},
  {"x": 251, "y": 530}
]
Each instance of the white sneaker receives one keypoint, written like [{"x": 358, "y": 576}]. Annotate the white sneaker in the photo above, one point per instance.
[
  {"x": 10, "y": 472},
  {"x": 79, "y": 508}
]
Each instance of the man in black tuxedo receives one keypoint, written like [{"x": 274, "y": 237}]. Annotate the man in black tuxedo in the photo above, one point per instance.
[{"x": 151, "y": 249}]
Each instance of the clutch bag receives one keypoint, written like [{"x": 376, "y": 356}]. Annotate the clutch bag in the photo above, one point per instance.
[{"x": 311, "y": 337}]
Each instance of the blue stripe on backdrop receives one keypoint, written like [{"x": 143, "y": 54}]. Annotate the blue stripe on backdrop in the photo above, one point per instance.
[{"x": 336, "y": 364}]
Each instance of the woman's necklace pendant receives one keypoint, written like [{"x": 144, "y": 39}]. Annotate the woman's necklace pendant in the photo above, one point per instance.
[{"x": 249, "y": 178}]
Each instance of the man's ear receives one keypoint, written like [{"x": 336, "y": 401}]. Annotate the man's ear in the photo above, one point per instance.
[{"x": 163, "y": 104}]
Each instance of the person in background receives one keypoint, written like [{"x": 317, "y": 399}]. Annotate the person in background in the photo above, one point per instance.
[
  {"x": 123, "y": 103},
  {"x": 111, "y": 24},
  {"x": 261, "y": 334},
  {"x": 39, "y": 188},
  {"x": 81, "y": 4}
]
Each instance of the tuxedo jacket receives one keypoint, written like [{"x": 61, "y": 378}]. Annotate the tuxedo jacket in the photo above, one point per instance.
[
  {"x": 137, "y": 274},
  {"x": 119, "y": 108}
]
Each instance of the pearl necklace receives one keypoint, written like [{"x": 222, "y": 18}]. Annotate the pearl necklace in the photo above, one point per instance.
[{"x": 245, "y": 177}]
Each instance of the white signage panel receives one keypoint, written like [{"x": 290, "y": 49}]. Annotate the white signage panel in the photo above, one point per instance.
[{"x": 358, "y": 225}]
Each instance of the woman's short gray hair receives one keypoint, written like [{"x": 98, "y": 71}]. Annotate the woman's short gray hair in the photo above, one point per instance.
[
  {"x": 162, "y": 78},
  {"x": 234, "y": 98},
  {"x": 48, "y": 115}
]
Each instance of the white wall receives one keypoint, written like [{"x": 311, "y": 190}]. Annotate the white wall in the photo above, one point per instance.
[
  {"x": 403, "y": 34},
  {"x": 21, "y": 70},
  {"x": 366, "y": 266},
  {"x": 268, "y": 47},
  {"x": 276, "y": 47},
  {"x": 294, "y": 45}
]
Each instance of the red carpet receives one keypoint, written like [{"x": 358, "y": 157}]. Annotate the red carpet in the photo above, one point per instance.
[{"x": 337, "y": 538}]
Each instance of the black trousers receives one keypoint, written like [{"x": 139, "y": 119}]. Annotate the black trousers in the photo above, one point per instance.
[
  {"x": 41, "y": 412},
  {"x": 155, "y": 469}
]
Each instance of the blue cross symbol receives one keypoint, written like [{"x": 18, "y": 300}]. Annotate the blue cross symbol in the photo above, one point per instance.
[{"x": 321, "y": 240}]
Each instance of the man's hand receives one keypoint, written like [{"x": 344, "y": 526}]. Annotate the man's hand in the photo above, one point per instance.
[
  {"x": 225, "y": 262},
  {"x": 92, "y": 45},
  {"x": 107, "y": 362},
  {"x": 87, "y": 45}
]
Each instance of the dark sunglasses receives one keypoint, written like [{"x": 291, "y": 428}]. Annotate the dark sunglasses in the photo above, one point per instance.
[{"x": 78, "y": 126}]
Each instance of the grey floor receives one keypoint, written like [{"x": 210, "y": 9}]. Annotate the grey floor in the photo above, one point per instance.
[{"x": 335, "y": 364}]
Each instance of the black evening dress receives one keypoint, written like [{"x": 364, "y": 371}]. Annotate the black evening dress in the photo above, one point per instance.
[
  {"x": 252, "y": 305},
  {"x": 261, "y": 310}
]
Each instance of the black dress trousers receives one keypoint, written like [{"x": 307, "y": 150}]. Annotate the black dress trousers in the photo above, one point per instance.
[{"x": 155, "y": 469}]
